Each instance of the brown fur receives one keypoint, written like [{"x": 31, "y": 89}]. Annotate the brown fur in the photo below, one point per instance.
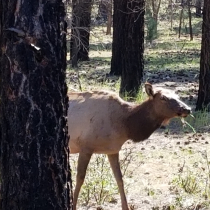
[{"x": 101, "y": 122}]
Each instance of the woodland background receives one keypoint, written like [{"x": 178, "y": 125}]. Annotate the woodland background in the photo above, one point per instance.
[{"x": 51, "y": 47}]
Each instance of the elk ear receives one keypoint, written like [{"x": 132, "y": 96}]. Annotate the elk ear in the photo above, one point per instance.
[{"x": 149, "y": 89}]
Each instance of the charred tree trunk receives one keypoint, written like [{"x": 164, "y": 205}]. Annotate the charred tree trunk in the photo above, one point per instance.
[
  {"x": 1, "y": 25},
  {"x": 128, "y": 44},
  {"x": 80, "y": 31},
  {"x": 198, "y": 8},
  {"x": 103, "y": 9},
  {"x": 85, "y": 22},
  {"x": 35, "y": 172},
  {"x": 204, "y": 78},
  {"x": 118, "y": 42}
]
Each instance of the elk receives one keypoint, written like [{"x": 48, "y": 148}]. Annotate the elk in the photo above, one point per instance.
[{"x": 101, "y": 122}]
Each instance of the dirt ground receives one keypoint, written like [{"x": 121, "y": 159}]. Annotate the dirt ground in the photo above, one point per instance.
[
  {"x": 159, "y": 160},
  {"x": 163, "y": 165}
]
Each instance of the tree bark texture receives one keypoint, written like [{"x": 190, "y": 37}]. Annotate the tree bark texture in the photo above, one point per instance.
[
  {"x": 204, "y": 78},
  {"x": 198, "y": 5},
  {"x": 80, "y": 31},
  {"x": 128, "y": 44},
  {"x": 35, "y": 167},
  {"x": 155, "y": 8},
  {"x": 120, "y": 8},
  {"x": 103, "y": 9}
]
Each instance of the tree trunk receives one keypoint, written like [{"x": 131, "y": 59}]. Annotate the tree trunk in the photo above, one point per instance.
[
  {"x": 155, "y": 12},
  {"x": 198, "y": 8},
  {"x": 155, "y": 8},
  {"x": 109, "y": 21},
  {"x": 204, "y": 78},
  {"x": 1, "y": 25},
  {"x": 190, "y": 20},
  {"x": 171, "y": 6},
  {"x": 128, "y": 44},
  {"x": 118, "y": 42},
  {"x": 180, "y": 21},
  {"x": 35, "y": 172},
  {"x": 80, "y": 31},
  {"x": 103, "y": 9}
]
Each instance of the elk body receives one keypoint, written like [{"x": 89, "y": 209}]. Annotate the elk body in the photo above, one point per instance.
[{"x": 101, "y": 122}]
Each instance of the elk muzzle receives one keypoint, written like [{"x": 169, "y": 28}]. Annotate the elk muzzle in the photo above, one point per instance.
[{"x": 184, "y": 111}]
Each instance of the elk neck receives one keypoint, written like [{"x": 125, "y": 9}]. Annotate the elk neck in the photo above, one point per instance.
[{"x": 142, "y": 121}]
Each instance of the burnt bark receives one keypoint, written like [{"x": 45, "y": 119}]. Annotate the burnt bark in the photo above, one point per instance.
[
  {"x": 118, "y": 42},
  {"x": 35, "y": 171},
  {"x": 198, "y": 5},
  {"x": 128, "y": 45},
  {"x": 203, "y": 101},
  {"x": 103, "y": 9},
  {"x": 80, "y": 33}
]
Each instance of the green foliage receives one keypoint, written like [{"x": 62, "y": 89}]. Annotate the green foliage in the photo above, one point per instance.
[
  {"x": 200, "y": 121},
  {"x": 99, "y": 182},
  {"x": 193, "y": 183},
  {"x": 189, "y": 183},
  {"x": 141, "y": 96},
  {"x": 100, "y": 185}
]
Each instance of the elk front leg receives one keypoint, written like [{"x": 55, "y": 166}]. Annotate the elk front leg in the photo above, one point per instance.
[
  {"x": 83, "y": 161},
  {"x": 114, "y": 162}
]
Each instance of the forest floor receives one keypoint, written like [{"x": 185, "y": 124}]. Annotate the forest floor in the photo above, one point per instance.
[{"x": 170, "y": 170}]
